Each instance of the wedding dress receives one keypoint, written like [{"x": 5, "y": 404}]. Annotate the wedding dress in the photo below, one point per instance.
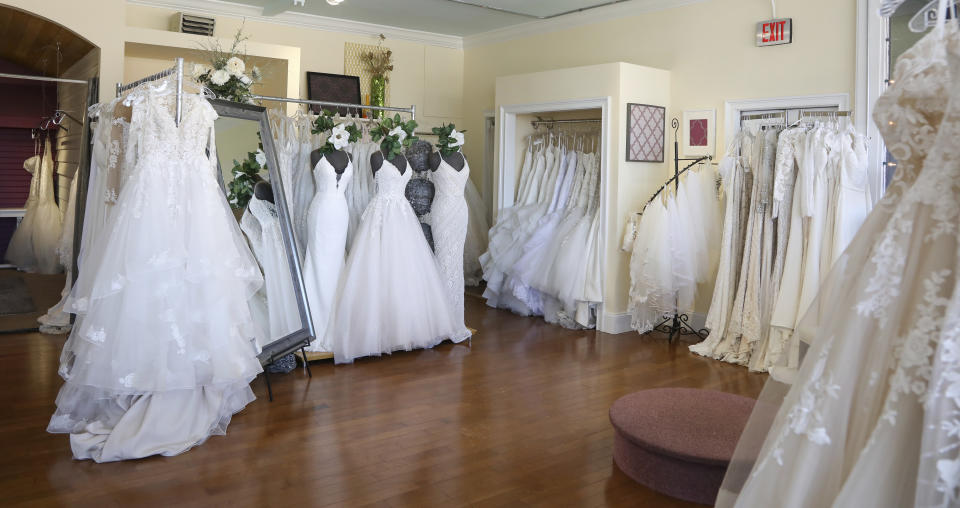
[
  {"x": 327, "y": 222},
  {"x": 261, "y": 225},
  {"x": 361, "y": 187},
  {"x": 872, "y": 417},
  {"x": 476, "y": 242},
  {"x": 56, "y": 321},
  {"x": 20, "y": 249},
  {"x": 164, "y": 347},
  {"x": 449, "y": 220},
  {"x": 391, "y": 293}
]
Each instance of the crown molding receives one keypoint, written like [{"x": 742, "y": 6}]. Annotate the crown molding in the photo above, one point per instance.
[
  {"x": 574, "y": 20},
  {"x": 312, "y": 21}
]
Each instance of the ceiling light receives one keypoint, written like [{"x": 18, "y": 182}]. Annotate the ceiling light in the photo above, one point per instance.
[{"x": 334, "y": 2}]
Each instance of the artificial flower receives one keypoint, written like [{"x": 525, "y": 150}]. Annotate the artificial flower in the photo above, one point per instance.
[
  {"x": 245, "y": 79},
  {"x": 261, "y": 158},
  {"x": 199, "y": 70},
  {"x": 458, "y": 136},
  {"x": 256, "y": 73},
  {"x": 399, "y": 133},
  {"x": 339, "y": 137},
  {"x": 235, "y": 66},
  {"x": 219, "y": 77}
]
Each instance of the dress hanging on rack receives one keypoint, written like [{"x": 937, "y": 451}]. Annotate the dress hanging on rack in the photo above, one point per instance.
[{"x": 34, "y": 245}]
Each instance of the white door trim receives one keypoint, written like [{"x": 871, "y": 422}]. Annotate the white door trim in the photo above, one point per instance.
[{"x": 506, "y": 167}]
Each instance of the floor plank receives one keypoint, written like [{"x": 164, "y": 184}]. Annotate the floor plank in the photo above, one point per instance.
[{"x": 516, "y": 418}]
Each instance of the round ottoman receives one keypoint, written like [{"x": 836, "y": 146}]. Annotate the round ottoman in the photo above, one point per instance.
[{"x": 678, "y": 441}]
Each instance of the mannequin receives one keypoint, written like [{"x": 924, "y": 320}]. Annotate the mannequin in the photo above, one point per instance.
[
  {"x": 337, "y": 158},
  {"x": 376, "y": 161},
  {"x": 263, "y": 191},
  {"x": 456, "y": 160}
]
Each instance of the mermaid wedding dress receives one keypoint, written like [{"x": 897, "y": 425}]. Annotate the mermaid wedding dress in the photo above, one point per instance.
[
  {"x": 391, "y": 294},
  {"x": 327, "y": 222},
  {"x": 449, "y": 218},
  {"x": 33, "y": 247},
  {"x": 164, "y": 346},
  {"x": 20, "y": 249},
  {"x": 872, "y": 417}
]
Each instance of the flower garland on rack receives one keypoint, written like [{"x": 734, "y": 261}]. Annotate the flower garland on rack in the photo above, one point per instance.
[
  {"x": 341, "y": 134},
  {"x": 450, "y": 139},
  {"x": 396, "y": 135},
  {"x": 226, "y": 75}
]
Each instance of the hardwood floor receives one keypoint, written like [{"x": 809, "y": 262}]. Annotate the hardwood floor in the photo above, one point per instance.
[{"x": 518, "y": 418}]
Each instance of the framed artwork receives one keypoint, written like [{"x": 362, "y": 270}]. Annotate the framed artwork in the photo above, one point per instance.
[
  {"x": 645, "y": 132},
  {"x": 322, "y": 86},
  {"x": 699, "y": 132}
]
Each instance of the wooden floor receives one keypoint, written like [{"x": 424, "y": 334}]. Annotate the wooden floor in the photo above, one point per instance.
[{"x": 518, "y": 418}]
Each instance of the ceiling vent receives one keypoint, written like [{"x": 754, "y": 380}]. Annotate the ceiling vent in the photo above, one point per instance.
[{"x": 192, "y": 24}]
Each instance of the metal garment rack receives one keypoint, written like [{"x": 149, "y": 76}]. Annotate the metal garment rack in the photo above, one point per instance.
[
  {"x": 679, "y": 323},
  {"x": 176, "y": 69},
  {"x": 550, "y": 123},
  {"x": 412, "y": 110}
]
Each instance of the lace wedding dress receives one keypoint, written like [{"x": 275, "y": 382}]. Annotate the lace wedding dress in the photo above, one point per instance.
[
  {"x": 449, "y": 218},
  {"x": 872, "y": 418},
  {"x": 164, "y": 346},
  {"x": 20, "y": 249},
  {"x": 33, "y": 247},
  {"x": 327, "y": 221},
  {"x": 261, "y": 225},
  {"x": 391, "y": 294}
]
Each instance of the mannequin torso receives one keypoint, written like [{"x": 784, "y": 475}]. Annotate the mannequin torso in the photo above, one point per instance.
[
  {"x": 338, "y": 159},
  {"x": 455, "y": 160},
  {"x": 376, "y": 161}
]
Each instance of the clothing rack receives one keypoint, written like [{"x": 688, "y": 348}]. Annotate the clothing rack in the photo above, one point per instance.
[
  {"x": 176, "y": 69},
  {"x": 679, "y": 323},
  {"x": 550, "y": 123},
  {"x": 778, "y": 115},
  {"x": 412, "y": 110}
]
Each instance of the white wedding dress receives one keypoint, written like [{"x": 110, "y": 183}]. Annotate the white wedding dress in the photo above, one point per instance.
[
  {"x": 164, "y": 346},
  {"x": 449, "y": 220},
  {"x": 261, "y": 225},
  {"x": 33, "y": 247},
  {"x": 20, "y": 249},
  {"x": 477, "y": 228},
  {"x": 872, "y": 418},
  {"x": 391, "y": 294},
  {"x": 327, "y": 222}
]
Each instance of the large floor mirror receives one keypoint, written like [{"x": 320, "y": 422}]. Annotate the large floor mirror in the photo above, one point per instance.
[{"x": 250, "y": 179}]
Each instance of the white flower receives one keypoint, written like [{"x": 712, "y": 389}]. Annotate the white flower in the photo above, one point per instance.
[
  {"x": 458, "y": 136},
  {"x": 339, "y": 137},
  {"x": 220, "y": 77},
  {"x": 261, "y": 158},
  {"x": 256, "y": 72},
  {"x": 235, "y": 66},
  {"x": 245, "y": 79},
  {"x": 399, "y": 133},
  {"x": 199, "y": 70}
]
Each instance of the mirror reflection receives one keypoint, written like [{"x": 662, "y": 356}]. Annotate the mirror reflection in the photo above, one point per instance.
[{"x": 246, "y": 177}]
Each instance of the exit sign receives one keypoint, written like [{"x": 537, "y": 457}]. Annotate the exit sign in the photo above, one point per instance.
[{"x": 775, "y": 32}]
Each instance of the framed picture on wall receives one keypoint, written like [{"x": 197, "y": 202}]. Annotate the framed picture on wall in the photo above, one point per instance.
[
  {"x": 322, "y": 86},
  {"x": 645, "y": 132},
  {"x": 699, "y": 132}
]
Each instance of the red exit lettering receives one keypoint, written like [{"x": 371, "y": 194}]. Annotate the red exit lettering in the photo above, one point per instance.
[{"x": 774, "y": 32}]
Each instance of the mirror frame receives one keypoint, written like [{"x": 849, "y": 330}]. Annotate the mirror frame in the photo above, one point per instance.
[
  {"x": 290, "y": 342},
  {"x": 302, "y": 337}
]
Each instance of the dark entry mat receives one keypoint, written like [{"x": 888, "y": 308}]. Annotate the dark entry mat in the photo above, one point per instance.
[{"x": 15, "y": 297}]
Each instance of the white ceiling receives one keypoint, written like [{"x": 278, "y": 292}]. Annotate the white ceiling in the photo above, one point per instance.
[{"x": 436, "y": 16}]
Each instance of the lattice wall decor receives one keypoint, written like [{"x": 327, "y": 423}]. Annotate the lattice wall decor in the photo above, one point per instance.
[
  {"x": 354, "y": 67},
  {"x": 645, "y": 132}
]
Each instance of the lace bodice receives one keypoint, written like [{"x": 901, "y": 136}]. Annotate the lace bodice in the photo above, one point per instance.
[
  {"x": 325, "y": 176},
  {"x": 449, "y": 181},
  {"x": 155, "y": 132},
  {"x": 390, "y": 182}
]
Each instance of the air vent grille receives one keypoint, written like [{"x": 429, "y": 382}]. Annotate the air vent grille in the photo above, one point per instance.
[{"x": 196, "y": 25}]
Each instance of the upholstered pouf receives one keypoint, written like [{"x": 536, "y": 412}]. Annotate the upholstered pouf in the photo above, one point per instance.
[{"x": 678, "y": 441}]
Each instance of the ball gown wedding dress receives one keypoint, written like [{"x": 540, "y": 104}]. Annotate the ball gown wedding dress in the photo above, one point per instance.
[
  {"x": 327, "y": 221},
  {"x": 164, "y": 346},
  {"x": 872, "y": 417},
  {"x": 449, "y": 218},
  {"x": 33, "y": 248},
  {"x": 391, "y": 294}
]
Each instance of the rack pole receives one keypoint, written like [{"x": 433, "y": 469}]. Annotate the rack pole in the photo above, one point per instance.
[
  {"x": 412, "y": 109},
  {"x": 42, "y": 78}
]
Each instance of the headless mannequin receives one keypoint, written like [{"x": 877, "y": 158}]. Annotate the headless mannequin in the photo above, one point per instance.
[
  {"x": 376, "y": 161},
  {"x": 337, "y": 158},
  {"x": 455, "y": 160},
  {"x": 263, "y": 191}
]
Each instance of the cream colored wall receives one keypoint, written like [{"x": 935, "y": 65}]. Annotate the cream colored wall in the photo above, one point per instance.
[
  {"x": 427, "y": 76},
  {"x": 708, "y": 47}
]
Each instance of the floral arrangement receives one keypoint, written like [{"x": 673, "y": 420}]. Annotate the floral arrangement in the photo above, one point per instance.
[
  {"x": 226, "y": 76},
  {"x": 378, "y": 62},
  {"x": 450, "y": 139},
  {"x": 246, "y": 174},
  {"x": 396, "y": 135},
  {"x": 340, "y": 136}
]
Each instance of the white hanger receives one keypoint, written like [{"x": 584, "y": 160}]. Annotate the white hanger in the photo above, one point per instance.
[{"x": 931, "y": 14}]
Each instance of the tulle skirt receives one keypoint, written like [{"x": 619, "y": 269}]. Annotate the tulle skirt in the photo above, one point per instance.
[{"x": 391, "y": 294}]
